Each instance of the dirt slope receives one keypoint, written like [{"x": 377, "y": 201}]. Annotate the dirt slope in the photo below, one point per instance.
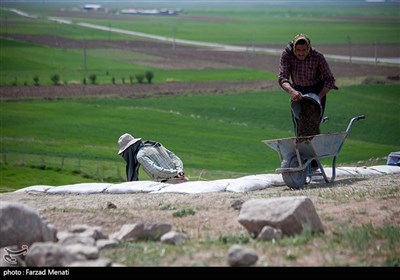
[{"x": 351, "y": 202}]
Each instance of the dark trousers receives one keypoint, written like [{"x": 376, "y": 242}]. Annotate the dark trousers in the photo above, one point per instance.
[{"x": 313, "y": 123}]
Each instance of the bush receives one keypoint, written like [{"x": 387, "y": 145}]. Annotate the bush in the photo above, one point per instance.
[
  {"x": 84, "y": 81},
  {"x": 139, "y": 78},
  {"x": 55, "y": 79},
  {"x": 36, "y": 80},
  {"x": 113, "y": 80},
  {"x": 14, "y": 83},
  {"x": 93, "y": 78},
  {"x": 149, "y": 76}
]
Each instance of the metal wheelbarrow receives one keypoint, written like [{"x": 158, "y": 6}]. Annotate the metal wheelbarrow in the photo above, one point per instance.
[{"x": 297, "y": 153}]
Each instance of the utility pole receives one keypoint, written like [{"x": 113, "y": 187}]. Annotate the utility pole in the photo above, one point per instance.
[
  {"x": 109, "y": 32},
  {"x": 84, "y": 55},
  {"x": 350, "y": 47},
  {"x": 376, "y": 51},
  {"x": 173, "y": 37},
  {"x": 254, "y": 42}
]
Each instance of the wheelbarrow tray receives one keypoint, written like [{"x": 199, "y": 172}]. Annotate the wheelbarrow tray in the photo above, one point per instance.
[
  {"x": 297, "y": 153},
  {"x": 316, "y": 146}
]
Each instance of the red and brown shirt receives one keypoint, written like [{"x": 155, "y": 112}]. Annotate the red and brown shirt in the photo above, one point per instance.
[{"x": 310, "y": 71}]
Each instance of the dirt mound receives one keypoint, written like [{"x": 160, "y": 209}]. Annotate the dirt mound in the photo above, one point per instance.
[{"x": 351, "y": 202}]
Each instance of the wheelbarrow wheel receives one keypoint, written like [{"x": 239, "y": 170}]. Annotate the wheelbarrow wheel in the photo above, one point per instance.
[{"x": 293, "y": 179}]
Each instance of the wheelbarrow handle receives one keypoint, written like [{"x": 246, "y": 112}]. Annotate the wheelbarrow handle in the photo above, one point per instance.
[
  {"x": 360, "y": 117},
  {"x": 355, "y": 119}
]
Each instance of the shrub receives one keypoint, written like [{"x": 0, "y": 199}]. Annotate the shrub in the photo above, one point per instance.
[
  {"x": 149, "y": 76},
  {"x": 131, "y": 79},
  {"x": 139, "y": 78},
  {"x": 36, "y": 80},
  {"x": 84, "y": 81},
  {"x": 113, "y": 80},
  {"x": 55, "y": 79},
  {"x": 93, "y": 78},
  {"x": 14, "y": 83}
]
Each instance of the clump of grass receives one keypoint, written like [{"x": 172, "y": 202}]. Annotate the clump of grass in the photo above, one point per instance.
[
  {"x": 300, "y": 239},
  {"x": 361, "y": 238},
  {"x": 167, "y": 207},
  {"x": 234, "y": 239},
  {"x": 184, "y": 213}
]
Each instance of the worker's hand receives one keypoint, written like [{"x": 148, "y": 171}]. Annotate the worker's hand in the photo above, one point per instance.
[{"x": 296, "y": 95}]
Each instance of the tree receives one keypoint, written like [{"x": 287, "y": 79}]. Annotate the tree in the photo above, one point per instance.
[
  {"x": 149, "y": 76},
  {"x": 55, "y": 79},
  {"x": 36, "y": 80},
  {"x": 139, "y": 78},
  {"x": 93, "y": 78}
]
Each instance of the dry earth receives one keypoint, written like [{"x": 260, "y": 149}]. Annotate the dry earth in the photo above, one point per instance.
[
  {"x": 346, "y": 201},
  {"x": 352, "y": 202}
]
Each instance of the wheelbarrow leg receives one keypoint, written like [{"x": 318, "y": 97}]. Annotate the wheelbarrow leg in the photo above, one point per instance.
[{"x": 321, "y": 168}]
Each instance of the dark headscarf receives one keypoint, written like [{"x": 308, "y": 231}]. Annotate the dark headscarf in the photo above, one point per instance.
[{"x": 132, "y": 164}]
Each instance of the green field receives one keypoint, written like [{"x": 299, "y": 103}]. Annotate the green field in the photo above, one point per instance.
[
  {"x": 21, "y": 62},
  {"x": 253, "y": 25},
  {"x": 242, "y": 25},
  {"x": 217, "y": 136}
]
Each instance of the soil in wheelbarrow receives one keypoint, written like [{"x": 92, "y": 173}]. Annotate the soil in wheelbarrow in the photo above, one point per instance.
[{"x": 309, "y": 120}]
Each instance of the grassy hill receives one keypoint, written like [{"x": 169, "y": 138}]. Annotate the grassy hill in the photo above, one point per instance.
[{"x": 217, "y": 136}]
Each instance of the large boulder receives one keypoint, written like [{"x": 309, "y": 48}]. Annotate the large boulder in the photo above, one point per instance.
[
  {"x": 289, "y": 214},
  {"x": 22, "y": 225}
]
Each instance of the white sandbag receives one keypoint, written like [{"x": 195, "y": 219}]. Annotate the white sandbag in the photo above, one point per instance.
[
  {"x": 366, "y": 171},
  {"x": 246, "y": 185},
  {"x": 360, "y": 171},
  {"x": 135, "y": 187},
  {"x": 36, "y": 188},
  {"x": 344, "y": 172},
  {"x": 82, "y": 188},
  {"x": 253, "y": 182},
  {"x": 195, "y": 187},
  {"x": 386, "y": 169},
  {"x": 273, "y": 178}
]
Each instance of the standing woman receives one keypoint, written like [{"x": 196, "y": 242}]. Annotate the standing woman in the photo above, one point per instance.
[{"x": 305, "y": 74}]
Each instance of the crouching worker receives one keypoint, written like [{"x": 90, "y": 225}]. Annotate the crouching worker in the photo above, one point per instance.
[{"x": 159, "y": 163}]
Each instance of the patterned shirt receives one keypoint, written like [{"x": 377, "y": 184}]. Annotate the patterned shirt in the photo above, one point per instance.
[
  {"x": 310, "y": 71},
  {"x": 158, "y": 162}
]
